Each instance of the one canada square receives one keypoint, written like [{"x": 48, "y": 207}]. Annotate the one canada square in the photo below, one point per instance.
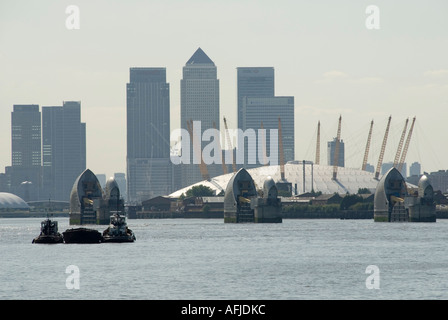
[
  {"x": 149, "y": 168},
  {"x": 199, "y": 105}
]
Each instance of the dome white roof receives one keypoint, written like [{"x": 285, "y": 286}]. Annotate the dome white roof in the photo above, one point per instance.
[
  {"x": 11, "y": 201},
  {"x": 316, "y": 177}
]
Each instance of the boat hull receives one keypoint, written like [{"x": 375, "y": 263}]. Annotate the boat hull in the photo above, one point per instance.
[
  {"x": 118, "y": 239},
  {"x": 82, "y": 235},
  {"x": 111, "y": 236},
  {"x": 50, "y": 239}
]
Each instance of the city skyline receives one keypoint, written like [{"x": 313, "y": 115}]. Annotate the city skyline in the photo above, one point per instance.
[{"x": 323, "y": 55}]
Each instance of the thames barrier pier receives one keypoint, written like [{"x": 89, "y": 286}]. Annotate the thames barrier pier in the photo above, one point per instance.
[
  {"x": 89, "y": 204},
  {"x": 389, "y": 198},
  {"x": 422, "y": 208},
  {"x": 268, "y": 208},
  {"x": 243, "y": 204},
  {"x": 393, "y": 202}
]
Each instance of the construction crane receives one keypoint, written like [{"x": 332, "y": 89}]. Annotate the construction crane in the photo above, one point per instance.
[
  {"x": 280, "y": 145},
  {"x": 230, "y": 145},
  {"x": 224, "y": 167},
  {"x": 336, "y": 151},
  {"x": 400, "y": 145},
  {"x": 318, "y": 144},
  {"x": 366, "y": 152},
  {"x": 406, "y": 146},
  {"x": 383, "y": 147},
  {"x": 197, "y": 149}
]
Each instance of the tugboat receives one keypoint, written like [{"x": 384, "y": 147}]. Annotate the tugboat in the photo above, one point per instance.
[
  {"x": 118, "y": 230},
  {"x": 48, "y": 232},
  {"x": 82, "y": 235}
]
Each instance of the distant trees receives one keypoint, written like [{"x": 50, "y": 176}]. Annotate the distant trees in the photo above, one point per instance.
[
  {"x": 200, "y": 191},
  {"x": 355, "y": 202},
  {"x": 349, "y": 200},
  {"x": 364, "y": 191}
]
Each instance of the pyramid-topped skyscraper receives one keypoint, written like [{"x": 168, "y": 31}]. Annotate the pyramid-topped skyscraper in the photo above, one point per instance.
[
  {"x": 199, "y": 57},
  {"x": 200, "y": 104}
]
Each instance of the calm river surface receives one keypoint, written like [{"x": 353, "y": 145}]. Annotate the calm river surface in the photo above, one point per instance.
[{"x": 199, "y": 259}]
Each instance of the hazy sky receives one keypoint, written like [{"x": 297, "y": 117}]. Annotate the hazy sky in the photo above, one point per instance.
[{"x": 322, "y": 52}]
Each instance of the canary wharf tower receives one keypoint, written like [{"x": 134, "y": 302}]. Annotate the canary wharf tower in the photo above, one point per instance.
[
  {"x": 148, "y": 133},
  {"x": 199, "y": 103}
]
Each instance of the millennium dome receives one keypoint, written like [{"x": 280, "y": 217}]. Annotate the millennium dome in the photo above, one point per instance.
[
  {"x": 304, "y": 177},
  {"x": 11, "y": 201}
]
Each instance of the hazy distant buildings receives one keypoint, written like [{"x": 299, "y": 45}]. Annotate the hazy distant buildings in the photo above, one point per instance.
[
  {"x": 388, "y": 165},
  {"x": 370, "y": 168},
  {"x": 200, "y": 103},
  {"x": 253, "y": 82},
  {"x": 265, "y": 111},
  {"x": 415, "y": 169},
  {"x": 101, "y": 179},
  {"x": 331, "y": 150},
  {"x": 64, "y": 149},
  {"x": 439, "y": 180},
  {"x": 149, "y": 169},
  {"x": 120, "y": 178},
  {"x": 258, "y": 107},
  {"x": 25, "y": 172}
]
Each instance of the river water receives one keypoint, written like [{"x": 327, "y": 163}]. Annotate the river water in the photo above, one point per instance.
[{"x": 196, "y": 259}]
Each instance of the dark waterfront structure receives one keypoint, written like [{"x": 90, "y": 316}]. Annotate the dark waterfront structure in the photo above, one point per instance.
[
  {"x": 268, "y": 208},
  {"x": 149, "y": 169},
  {"x": 64, "y": 149},
  {"x": 25, "y": 170},
  {"x": 389, "y": 198},
  {"x": 89, "y": 204},
  {"x": 243, "y": 204},
  {"x": 393, "y": 201},
  {"x": 239, "y": 191},
  {"x": 113, "y": 201},
  {"x": 422, "y": 208},
  {"x": 84, "y": 199},
  {"x": 200, "y": 104}
]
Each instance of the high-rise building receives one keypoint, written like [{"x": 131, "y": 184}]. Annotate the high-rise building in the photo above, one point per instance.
[
  {"x": 415, "y": 169},
  {"x": 253, "y": 82},
  {"x": 266, "y": 111},
  {"x": 26, "y": 151},
  {"x": 439, "y": 180},
  {"x": 64, "y": 149},
  {"x": 258, "y": 106},
  {"x": 149, "y": 169},
  {"x": 120, "y": 178},
  {"x": 331, "y": 149},
  {"x": 370, "y": 168},
  {"x": 200, "y": 104}
]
